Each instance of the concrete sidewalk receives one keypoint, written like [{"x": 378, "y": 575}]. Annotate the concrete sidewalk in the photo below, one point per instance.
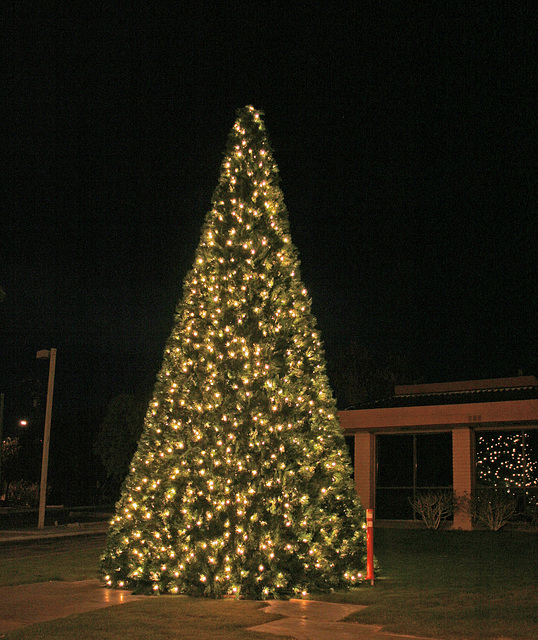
[
  {"x": 312, "y": 620},
  {"x": 25, "y": 605},
  {"x": 61, "y": 531}
]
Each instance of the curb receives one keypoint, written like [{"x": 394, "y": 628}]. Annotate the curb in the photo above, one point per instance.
[{"x": 21, "y": 536}]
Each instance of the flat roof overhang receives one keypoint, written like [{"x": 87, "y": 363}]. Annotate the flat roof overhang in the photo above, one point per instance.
[{"x": 484, "y": 416}]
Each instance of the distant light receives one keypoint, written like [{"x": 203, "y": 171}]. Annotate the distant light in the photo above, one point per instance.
[{"x": 23, "y": 423}]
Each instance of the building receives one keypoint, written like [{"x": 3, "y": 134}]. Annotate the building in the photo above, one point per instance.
[{"x": 424, "y": 437}]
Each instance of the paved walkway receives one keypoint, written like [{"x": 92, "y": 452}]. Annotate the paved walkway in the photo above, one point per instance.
[
  {"x": 28, "y": 604},
  {"x": 63, "y": 531},
  {"x": 312, "y": 620}
]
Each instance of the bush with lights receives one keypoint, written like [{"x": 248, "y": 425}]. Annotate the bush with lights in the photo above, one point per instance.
[{"x": 241, "y": 481}]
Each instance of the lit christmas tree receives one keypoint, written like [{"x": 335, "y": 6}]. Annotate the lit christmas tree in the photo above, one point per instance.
[
  {"x": 506, "y": 461},
  {"x": 241, "y": 482}
]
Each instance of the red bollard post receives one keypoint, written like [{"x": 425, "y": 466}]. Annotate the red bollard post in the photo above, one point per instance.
[{"x": 370, "y": 545}]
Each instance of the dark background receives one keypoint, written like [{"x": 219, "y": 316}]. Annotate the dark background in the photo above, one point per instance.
[{"x": 404, "y": 137}]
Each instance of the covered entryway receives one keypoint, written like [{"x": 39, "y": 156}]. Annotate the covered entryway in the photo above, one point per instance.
[{"x": 424, "y": 437}]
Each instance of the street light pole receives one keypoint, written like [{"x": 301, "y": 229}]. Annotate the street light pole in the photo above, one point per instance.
[
  {"x": 1, "y": 437},
  {"x": 51, "y": 355}
]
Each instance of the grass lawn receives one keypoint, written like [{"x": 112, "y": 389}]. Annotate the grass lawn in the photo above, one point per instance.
[
  {"x": 163, "y": 618},
  {"x": 453, "y": 584},
  {"x": 67, "y": 566},
  {"x": 444, "y": 584}
]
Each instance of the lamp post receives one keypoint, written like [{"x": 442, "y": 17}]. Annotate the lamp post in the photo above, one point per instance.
[
  {"x": 1, "y": 437},
  {"x": 50, "y": 355}
]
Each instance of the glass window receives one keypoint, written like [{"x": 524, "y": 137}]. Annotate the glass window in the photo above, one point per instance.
[
  {"x": 434, "y": 460},
  {"x": 395, "y": 461},
  {"x": 509, "y": 460},
  {"x": 407, "y": 464},
  {"x": 350, "y": 442}
]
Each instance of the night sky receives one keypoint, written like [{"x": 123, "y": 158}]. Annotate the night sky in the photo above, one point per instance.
[{"x": 404, "y": 138}]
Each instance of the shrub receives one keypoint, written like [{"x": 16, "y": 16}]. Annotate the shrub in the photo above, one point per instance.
[
  {"x": 530, "y": 515},
  {"x": 492, "y": 507},
  {"x": 23, "y": 493},
  {"x": 433, "y": 507}
]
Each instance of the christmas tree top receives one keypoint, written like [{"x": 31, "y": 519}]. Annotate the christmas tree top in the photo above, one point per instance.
[{"x": 241, "y": 481}]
